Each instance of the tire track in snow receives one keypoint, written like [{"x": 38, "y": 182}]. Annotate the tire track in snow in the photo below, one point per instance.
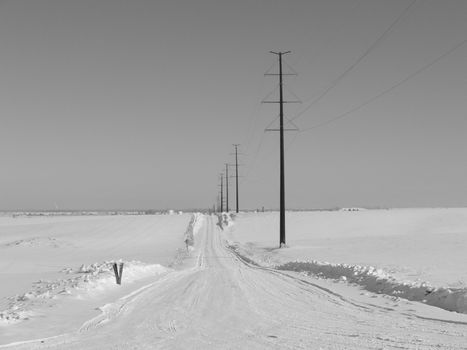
[
  {"x": 294, "y": 278},
  {"x": 226, "y": 302}
]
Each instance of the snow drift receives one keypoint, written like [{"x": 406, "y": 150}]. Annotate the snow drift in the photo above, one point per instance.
[
  {"x": 378, "y": 281},
  {"x": 84, "y": 282},
  {"x": 370, "y": 278},
  {"x": 373, "y": 249},
  {"x": 195, "y": 224}
]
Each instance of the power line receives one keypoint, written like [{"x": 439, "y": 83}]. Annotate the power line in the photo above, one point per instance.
[
  {"x": 353, "y": 65},
  {"x": 255, "y": 157},
  {"x": 328, "y": 40},
  {"x": 253, "y": 117},
  {"x": 384, "y": 92},
  {"x": 333, "y": 84}
]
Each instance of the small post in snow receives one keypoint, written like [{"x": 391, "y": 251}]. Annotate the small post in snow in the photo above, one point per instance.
[{"x": 118, "y": 272}]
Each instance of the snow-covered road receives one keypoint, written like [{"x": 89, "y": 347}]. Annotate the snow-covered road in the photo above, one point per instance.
[{"x": 221, "y": 301}]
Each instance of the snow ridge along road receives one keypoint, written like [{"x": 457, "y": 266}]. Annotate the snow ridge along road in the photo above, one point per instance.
[{"x": 221, "y": 301}]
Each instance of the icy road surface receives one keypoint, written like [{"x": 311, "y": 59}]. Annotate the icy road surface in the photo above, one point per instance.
[{"x": 220, "y": 301}]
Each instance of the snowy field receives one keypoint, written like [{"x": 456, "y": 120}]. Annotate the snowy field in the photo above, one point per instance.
[
  {"x": 420, "y": 254},
  {"x": 54, "y": 265},
  {"x": 373, "y": 279}
]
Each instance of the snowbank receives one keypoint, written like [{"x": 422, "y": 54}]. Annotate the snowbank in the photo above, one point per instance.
[
  {"x": 225, "y": 220},
  {"x": 86, "y": 281},
  {"x": 46, "y": 283},
  {"x": 415, "y": 254},
  {"x": 370, "y": 278},
  {"x": 378, "y": 281},
  {"x": 195, "y": 224}
]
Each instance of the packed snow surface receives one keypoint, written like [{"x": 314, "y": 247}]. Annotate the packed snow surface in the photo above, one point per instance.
[
  {"x": 229, "y": 287},
  {"x": 417, "y": 254}
]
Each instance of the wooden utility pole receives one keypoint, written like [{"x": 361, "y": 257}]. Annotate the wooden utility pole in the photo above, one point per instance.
[
  {"x": 222, "y": 193},
  {"x": 282, "y": 175},
  {"x": 281, "y": 136},
  {"x": 236, "y": 176},
  {"x": 226, "y": 187}
]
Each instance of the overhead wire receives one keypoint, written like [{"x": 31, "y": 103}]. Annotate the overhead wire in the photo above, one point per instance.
[
  {"x": 391, "y": 88},
  {"x": 258, "y": 149},
  {"x": 375, "y": 44},
  {"x": 253, "y": 117},
  {"x": 337, "y": 28},
  {"x": 335, "y": 82},
  {"x": 255, "y": 158},
  {"x": 331, "y": 86}
]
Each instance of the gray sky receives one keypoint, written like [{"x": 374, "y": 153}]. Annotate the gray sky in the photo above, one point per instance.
[{"x": 135, "y": 104}]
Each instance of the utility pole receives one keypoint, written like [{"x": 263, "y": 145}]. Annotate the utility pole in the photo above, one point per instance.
[
  {"x": 281, "y": 136},
  {"x": 222, "y": 193},
  {"x": 236, "y": 176},
  {"x": 282, "y": 175},
  {"x": 226, "y": 187}
]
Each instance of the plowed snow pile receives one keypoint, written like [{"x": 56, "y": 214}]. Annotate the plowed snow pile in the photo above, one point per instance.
[
  {"x": 417, "y": 254},
  {"x": 211, "y": 297},
  {"x": 60, "y": 268}
]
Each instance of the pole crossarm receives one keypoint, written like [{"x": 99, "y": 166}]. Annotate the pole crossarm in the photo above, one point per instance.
[
  {"x": 280, "y": 53},
  {"x": 295, "y": 127},
  {"x": 281, "y": 102}
]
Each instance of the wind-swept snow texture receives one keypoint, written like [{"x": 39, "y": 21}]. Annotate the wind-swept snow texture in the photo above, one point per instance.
[
  {"x": 417, "y": 254},
  {"x": 221, "y": 301},
  {"x": 59, "y": 269},
  {"x": 86, "y": 281}
]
